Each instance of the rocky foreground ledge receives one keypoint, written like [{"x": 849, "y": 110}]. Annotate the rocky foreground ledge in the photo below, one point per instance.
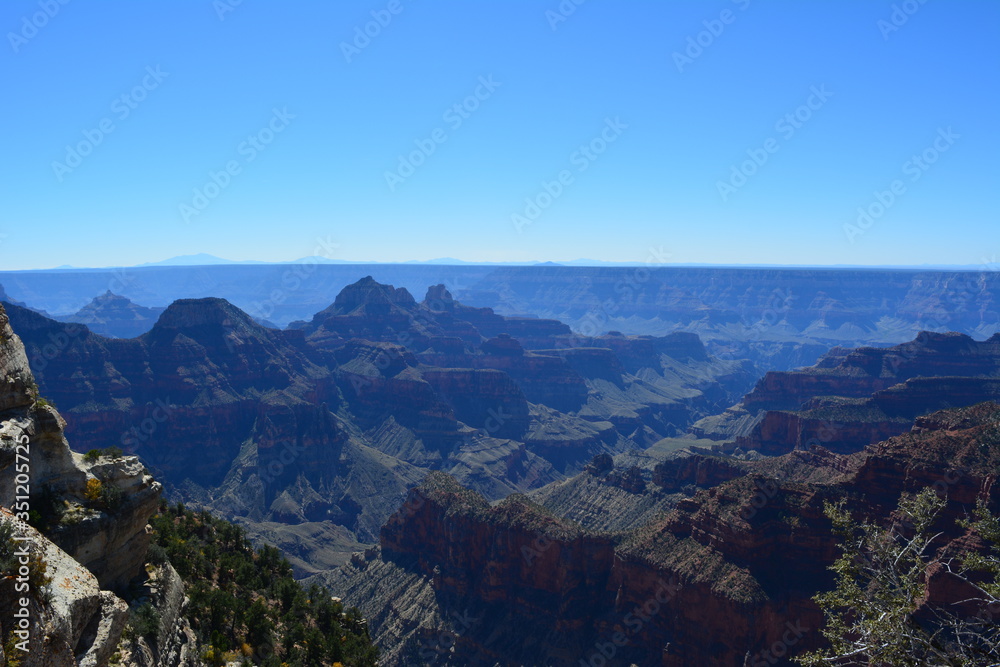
[{"x": 93, "y": 514}]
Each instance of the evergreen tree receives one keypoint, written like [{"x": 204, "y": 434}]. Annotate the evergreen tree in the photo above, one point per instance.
[{"x": 877, "y": 614}]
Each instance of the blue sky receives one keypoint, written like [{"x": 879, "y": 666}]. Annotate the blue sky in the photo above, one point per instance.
[{"x": 647, "y": 111}]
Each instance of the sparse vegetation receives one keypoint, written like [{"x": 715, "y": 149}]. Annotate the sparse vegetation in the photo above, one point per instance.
[
  {"x": 144, "y": 620},
  {"x": 47, "y": 509},
  {"x": 111, "y": 497},
  {"x": 93, "y": 490},
  {"x": 100, "y": 495},
  {"x": 38, "y": 580},
  {"x": 12, "y": 655},
  {"x": 7, "y": 559},
  {"x": 244, "y": 603},
  {"x": 987, "y": 565},
  {"x": 95, "y": 455},
  {"x": 877, "y": 614}
]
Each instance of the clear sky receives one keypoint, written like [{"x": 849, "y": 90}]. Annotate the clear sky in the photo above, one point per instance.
[{"x": 117, "y": 115}]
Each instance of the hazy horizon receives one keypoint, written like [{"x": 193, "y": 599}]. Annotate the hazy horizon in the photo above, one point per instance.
[
  {"x": 724, "y": 133},
  {"x": 653, "y": 261}
]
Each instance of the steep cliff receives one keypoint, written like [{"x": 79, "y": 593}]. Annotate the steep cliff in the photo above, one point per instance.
[
  {"x": 724, "y": 577},
  {"x": 56, "y": 615},
  {"x": 93, "y": 514},
  {"x": 852, "y": 398}
]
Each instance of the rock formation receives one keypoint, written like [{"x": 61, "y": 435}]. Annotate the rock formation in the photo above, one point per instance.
[
  {"x": 725, "y": 576},
  {"x": 333, "y": 420},
  {"x": 778, "y": 318},
  {"x": 852, "y": 398},
  {"x": 94, "y": 512},
  {"x": 68, "y": 622},
  {"x": 115, "y": 316}
]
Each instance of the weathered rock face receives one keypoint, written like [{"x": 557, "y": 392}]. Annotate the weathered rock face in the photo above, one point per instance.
[
  {"x": 513, "y": 558},
  {"x": 790, "y": 390},
  {"x": 700, "y": 471},
  {"x": 921, "y": 395},
  {"x": 635, "y": 352},
  {"x": 175, "y": 642},
  {"x": 486, "y": 399},
  {"x": 726, "y": 577},
  {"x": 16, "y": 390},
  {"x": 78, "y": 624},
  {"x": 596, "y": 363},
  {"x": 957, "y": 450},
  {"x": 847, "y": 426},
  {"x": 567, "y": 593},
  {"x": 379, "y": 382},
  {"x": 780, "y": 432},
  {"x": 484, "y": 567},
  {"x": 542, "y": 378},
  {"x": 91, "y": 542},
  {"x": 111, "y": 541}
]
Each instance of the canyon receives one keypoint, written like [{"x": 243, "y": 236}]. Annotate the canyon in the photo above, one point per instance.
[
  {"x": 523, "y": 483},
  {"x": 852, "y": 398},
  {"x": 719, "y": 577},
  {"x": 312, "y": 435},
  {"x": 779, "y": 318}
]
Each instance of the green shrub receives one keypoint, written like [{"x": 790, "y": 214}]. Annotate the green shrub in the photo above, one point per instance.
[
  {"x": 103, "y": 496},
  {"x": 8, "y": 561},
  {"x": 37, "y": 577},
  {"x": 107, "y": 453},
  {"x": 11, "y": 652},
  {"x": 144, "y": 620},
  {"x": 111, "y": 497},
  {"x": 47, "y": 508},
  {"x": 157, "y": 555}
]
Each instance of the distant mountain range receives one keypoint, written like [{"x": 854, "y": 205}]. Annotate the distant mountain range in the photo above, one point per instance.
[
  {"x": 779, "y": 318},
  {"x": 205, "y": 259}
]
